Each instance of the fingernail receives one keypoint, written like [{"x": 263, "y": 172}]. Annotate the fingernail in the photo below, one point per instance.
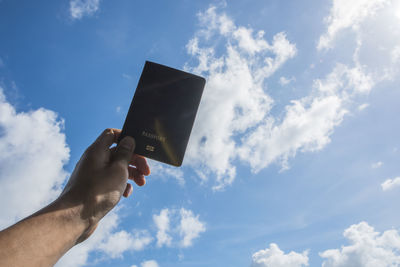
[{"x": 128, "y": 143}]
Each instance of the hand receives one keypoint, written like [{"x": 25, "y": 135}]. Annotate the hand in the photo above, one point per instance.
[
  {"x": 94, "y": 188},
  {"x": 100, "y": 178}
]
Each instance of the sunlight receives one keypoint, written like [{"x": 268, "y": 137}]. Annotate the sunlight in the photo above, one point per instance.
[{"x": 397, "y": 9}]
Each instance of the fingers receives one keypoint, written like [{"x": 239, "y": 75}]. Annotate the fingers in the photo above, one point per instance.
[
  {"x": 141, "y": 164},
  {"x": 138, "y": 161},
  {"x": 137, "y": 176},
  {"x": 128, "y": 190},
  {"x": 107, "y": 138},
  {"x": 124, "y": 151}
]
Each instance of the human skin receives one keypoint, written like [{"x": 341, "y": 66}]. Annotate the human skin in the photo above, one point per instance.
[{"x": 94, "y": 188}]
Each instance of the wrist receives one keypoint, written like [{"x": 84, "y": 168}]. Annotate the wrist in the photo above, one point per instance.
[{"x": 71, "y": 215}]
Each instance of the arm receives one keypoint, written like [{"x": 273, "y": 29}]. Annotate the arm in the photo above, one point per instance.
[{"x": 94, "y": 188}]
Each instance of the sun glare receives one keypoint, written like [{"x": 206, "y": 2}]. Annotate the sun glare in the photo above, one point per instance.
[{"x": 397, "y": 9}]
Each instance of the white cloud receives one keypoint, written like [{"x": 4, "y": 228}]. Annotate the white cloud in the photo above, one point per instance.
[
  {"x": 126, "y": 76},
  {"x": 306, "y": 126},
  {"x": 308, "y": 122},
  {"x": 347, "y": 14},
  {"x": 397, "y": 10},
  {"x": 249, "y": 42},
  {"x": 376, "y": 165},
  {"x": 150, "y": 263},
  {"x": 165, "y": 171},
  {"x": 274, "y": 257},
  {"x": 108, "y": 241},
  {"x": 285, "y": 81},
  {"x": 190, "y": 227},
  {"x": 234, "y": 120},
  {"x": 117, "y": 243},
  {"x": 367, "y": 248},
  {"x": 390, "y": 183},
  {"x": 233, "y": 100},
  {"x": 187, "y": 227},
  {"x": 395, "y": 54},
  {"x": 80, "y": 8},
  {"x": 376, "y": 38},
  {"x": 78, "y": 255},
  {"x": 363, "y": 106},
  {"x": 33, "y": 152},
  {"x": 163, "y": 226}
]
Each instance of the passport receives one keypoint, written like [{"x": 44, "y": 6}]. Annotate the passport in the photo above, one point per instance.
[{"x": 162, "y": 112}]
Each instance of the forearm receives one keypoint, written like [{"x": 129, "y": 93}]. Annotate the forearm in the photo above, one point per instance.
[{"x": 42, "y": 238}]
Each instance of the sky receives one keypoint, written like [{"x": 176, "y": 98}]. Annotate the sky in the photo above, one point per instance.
[{"x": 294, "y": 156}]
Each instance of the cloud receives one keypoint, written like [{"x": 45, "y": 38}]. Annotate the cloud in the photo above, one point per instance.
[
  {"x": 110, "y": 242},
  {"x": 234, "y": 120},
  {"x": 187, "y": 227},
  {"x": 80, "y": 8},
  {"x": 306, "y": 126},
  {"x": 367, "y": 248},
  {"x": 33, "y": 152},
  {"x": 190, "y": 227},
  {"x": 163, "y": 226},
  {"x": 274, "y": 257},
  {"x": 395, "y": 54},
  {"x": 119, "y": 242},
  {"x": 363, "y": 106},
  {"x": 106, "y": 240},
  {"x": 390, "y": 183},
  {"x": 164, "y": 171},
  {"x": 376, "y": 44},
  {"x": 376, "y": 165},
  {"x": 285, "y": 81},
  {"x": 78, "y": 255},
  {"x": 126, "y": 76},
  {"x": 234, "y": 99},
  {"x": 308, "y": 122},
  {"x": 150, "y": 263},
  {"x": 347, "y": 14}
]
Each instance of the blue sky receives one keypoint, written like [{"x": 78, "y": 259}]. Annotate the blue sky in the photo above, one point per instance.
[{"x": 294, "y": 156}]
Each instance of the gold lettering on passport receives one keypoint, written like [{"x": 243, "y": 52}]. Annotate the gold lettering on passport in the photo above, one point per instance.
[
  {"x": 154, "y": 136},
  {"x": 150, "y": 148}
]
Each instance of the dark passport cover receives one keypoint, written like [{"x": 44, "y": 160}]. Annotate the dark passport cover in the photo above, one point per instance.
[{"x": 162, "y": 112}]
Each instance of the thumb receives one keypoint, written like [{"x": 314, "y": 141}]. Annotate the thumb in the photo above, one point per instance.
[{"x": 125, "y": 150}]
